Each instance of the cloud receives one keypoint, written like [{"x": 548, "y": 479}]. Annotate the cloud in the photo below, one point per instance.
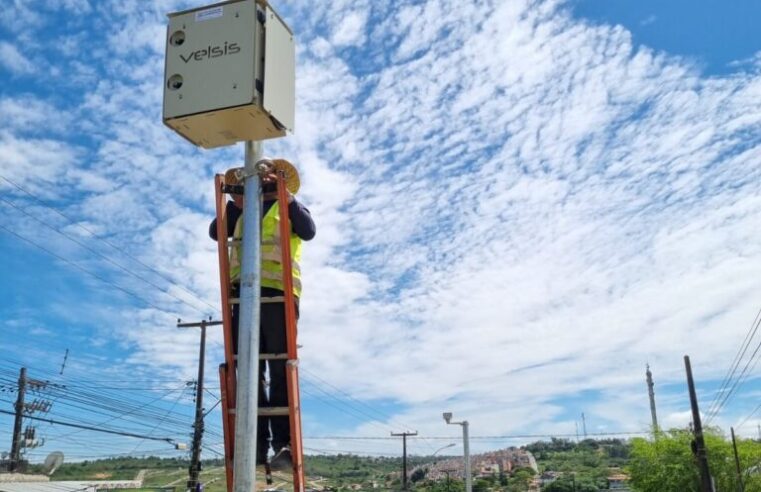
[
  {"x": 350, "y": 30},
  {"x": 13, "y": 60},
  {"x": 516, "y": 210}
]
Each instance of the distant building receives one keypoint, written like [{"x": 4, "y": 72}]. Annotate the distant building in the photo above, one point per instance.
[{"x": 618, "y": 481}]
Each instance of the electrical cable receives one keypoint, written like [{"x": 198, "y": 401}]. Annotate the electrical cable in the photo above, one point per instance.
[
  {"x": 71, "y": 424},
  {"x": 102, "y": 256},
  {"x": 106, "y": 241},
  {"x": 713, "y": 408},
  {"x": 88, "y": 272},
  {"x": 744, "y": 374}
]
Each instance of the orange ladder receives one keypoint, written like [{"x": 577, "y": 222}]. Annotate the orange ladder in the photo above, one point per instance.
[{"x": 227, "y": 373}]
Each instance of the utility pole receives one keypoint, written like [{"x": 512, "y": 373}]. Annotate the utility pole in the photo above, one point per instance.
[
  {"x": 584, "y": 424},
  {"x": 195, "y": 459},
  {"x": 699, "y": 446},
  {"x": 18, "y": 422},
  {"x": 404, "y": 435},
  {"x": 576, "y": 424},
  {"x": 466, "y": 448},
  {"x": 65, "y": 357},
  {"x": 740, "y": 485},
  {"x": 651, "y": 394}
]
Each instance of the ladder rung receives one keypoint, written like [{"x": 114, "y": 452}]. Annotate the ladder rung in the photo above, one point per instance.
[
  {"x": 273, "y": 411},
  {"x": 272, "y": 356},
  {"x": 234, "y": 300}
]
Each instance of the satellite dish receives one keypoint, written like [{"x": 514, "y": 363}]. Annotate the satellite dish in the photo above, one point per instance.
[{"x": 52, "y": 462}]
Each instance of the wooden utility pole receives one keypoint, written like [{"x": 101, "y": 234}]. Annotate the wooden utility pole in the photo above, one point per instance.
[
  {"x": 195, "y": 459},
  {"x": 18, "y": 422},
  {"x": 404, "y": 435},
  {"x": 699, "y": 448}
]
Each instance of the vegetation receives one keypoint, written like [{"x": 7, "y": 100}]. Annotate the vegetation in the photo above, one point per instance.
[{"x": 667, "y": 464}]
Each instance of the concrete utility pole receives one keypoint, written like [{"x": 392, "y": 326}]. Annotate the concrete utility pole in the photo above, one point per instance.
[
  {"x": 651, "y": 394},
  {"x": 248, "y": 329},
  {"x": 404, "y": 435},
  {"x": 195, "y": 460},
  {"x": 18, "y": 422},
  {"x": 706, "y": 484},
  {"x": 576, "y": 424},
  {"x": 740, "y": 485},
  {"x": 584, "y": 424}
]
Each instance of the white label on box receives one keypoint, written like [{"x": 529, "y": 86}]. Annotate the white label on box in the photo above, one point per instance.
[{"x": 204, "y": 15}]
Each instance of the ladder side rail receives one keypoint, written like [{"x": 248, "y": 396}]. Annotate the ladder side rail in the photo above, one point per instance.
[
  {"x": 292, "y": 381},
  {"x": 227, "y": 372},
  {"x": 227, "y": 425},
  {"x": 224, "y": 280}
]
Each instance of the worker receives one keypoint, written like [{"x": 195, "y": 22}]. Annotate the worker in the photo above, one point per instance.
[{"x": 272, "y": 430}]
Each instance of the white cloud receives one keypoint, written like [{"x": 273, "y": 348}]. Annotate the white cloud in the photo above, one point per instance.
[
  {"x": 514, "y": 208},
  {"x": 350, "y": 29},
  {"x": 13, "y": 60}
]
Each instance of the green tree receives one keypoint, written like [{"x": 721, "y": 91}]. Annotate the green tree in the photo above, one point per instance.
[{"x": 667, "y": 464}]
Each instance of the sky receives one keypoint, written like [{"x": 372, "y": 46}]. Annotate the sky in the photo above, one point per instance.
[{"x": 519, "y": 205}]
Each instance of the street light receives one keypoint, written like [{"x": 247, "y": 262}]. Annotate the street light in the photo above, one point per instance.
[
  {"x": 466, "y": 448},
  {"x": 443, "y": 448}
]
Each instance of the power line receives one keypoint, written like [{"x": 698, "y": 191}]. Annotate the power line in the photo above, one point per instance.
[
  {"x": 102, "y": 256},
  {"x": 715, "y": 404},
  {"x": 485, "y": 438},
  {"x": 743, "y": 374},
  {"x": 105, "y": 431},
  {"x": 106, "y": 241},
  {"x": 88, "y": 272}
]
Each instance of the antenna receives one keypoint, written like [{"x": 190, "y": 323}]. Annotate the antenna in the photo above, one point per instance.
[
  {"x": 65, "y": 356},
  {"x": 52, "y": 462}
]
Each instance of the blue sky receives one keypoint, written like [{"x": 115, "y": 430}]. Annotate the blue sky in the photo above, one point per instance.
[{"x": 519, "y": 205}]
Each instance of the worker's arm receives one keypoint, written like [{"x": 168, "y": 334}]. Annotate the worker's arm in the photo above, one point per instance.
[
  {"x": 232, "y": 212},
  {"x": 301, "y": 220}
]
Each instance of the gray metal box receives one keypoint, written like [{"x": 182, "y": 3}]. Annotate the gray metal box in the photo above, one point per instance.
[{"x": 229, "y": 74}]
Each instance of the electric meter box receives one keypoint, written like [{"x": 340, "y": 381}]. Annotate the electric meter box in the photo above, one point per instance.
[{"x": 229, "y": 74}]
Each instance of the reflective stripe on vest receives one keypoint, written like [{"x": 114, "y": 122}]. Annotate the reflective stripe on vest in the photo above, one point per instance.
[{"x": 271, "y": 254}]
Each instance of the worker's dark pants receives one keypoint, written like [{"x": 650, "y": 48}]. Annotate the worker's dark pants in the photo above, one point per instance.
[{"x": 272, "y": 340}]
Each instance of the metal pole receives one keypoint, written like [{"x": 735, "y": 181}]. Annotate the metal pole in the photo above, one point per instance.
[
  {"x": 740, "y": 485},
  {"x": 706, "y": 484},
  {"x": 18, "y": 423},
  {"x": 248, "y": 328},
  {"x": 466, "y": 445}
]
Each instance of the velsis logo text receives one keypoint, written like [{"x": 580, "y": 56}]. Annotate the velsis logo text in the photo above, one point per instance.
[{"x": 212, "y": 52}]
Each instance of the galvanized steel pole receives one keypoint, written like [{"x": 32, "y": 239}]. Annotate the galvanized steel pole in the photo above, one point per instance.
[{"x": 248, "y": 327}]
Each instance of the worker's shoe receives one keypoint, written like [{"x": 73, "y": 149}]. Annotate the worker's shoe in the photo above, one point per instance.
[{"x": 282, "y": 460}]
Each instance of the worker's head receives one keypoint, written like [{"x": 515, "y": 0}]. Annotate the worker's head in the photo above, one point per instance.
[
  {"x": 273, "y": 166},
  {"x": 232, "y": 177}
]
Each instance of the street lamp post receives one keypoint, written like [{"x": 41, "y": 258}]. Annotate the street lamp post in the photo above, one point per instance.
[
  {"x": 443, "y": 448},
  {"x": 466, "y": 448}
]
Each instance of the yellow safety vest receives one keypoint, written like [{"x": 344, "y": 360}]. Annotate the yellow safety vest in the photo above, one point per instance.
[{"x": 272, "y": 268}]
